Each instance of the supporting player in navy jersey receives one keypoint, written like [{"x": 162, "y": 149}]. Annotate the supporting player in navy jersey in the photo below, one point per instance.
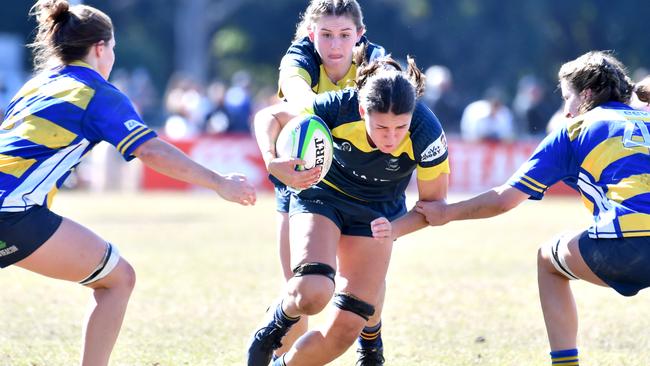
[
  {"x": 342, "y": 229},
  {"x": 320, "y": 59},
  {"x": 604, "y": 154},
  {"x": 53, "y": 121}
]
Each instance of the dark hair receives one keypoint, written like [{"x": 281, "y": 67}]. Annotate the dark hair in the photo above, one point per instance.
[
  {"x": 642, "y": 90},
  {"x": 321, "y": 8},
  {"x": 384, "y": 87},
  {"x": 600, "y": 72},
  {"x": 67, "y": 32}
]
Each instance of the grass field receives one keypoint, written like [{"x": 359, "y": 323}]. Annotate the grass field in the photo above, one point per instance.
[{"x": 464, "y": 294}]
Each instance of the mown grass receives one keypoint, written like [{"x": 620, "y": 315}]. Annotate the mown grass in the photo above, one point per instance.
[{"x": 464, "y": 294}]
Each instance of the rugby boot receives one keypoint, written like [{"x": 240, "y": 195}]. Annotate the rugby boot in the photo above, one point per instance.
[
  {"x": 268, "y": 338},
  {"x": 370, "y": 356}
]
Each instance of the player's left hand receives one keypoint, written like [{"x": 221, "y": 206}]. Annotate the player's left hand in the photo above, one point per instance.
[
  {"x": 433, "y": 211},
  {"x": 381, "y": 228}
]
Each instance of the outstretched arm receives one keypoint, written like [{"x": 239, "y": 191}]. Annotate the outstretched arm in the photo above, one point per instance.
[
  {"x": 165, "y": 158},
  {"x": 429, "y": 190},
  {"x": 488, "y": 204}
]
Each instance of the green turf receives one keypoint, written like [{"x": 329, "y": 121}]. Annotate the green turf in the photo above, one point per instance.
[{"x": 464, "y": 294}]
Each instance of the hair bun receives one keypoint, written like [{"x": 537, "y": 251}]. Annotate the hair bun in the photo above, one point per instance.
[{"x": 52, "y": 11}]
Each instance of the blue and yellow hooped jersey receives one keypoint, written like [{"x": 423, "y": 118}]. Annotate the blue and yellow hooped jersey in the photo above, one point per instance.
[
  {"x": 302, "y": 60},
  {"x": 52, "y": 122},
  {"x": 360, "y": 170},
  {"x": 604, "y": 154}
]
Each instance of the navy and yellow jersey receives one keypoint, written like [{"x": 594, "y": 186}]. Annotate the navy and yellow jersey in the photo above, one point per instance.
[
  {"x": 52, "y": 122},
  {"x": 360, "y": 170},
  {"x": 302, "y": 60},
  {"x": 604, "y": 154}
]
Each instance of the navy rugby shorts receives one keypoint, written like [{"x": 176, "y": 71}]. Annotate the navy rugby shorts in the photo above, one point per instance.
[
  {"x": 282, "y": 195},
  {"x": 282, "y": 198},
  {"x": 622, "y": 263},
  {"x": 351, "y": 215},
  {"x": 21, "y": 233}
]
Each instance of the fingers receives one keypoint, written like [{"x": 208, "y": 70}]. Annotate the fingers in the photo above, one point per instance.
[
  {"x": 307, "y": 178},
  {"x": 248, "y": 196},
  {"x": 381, "y": 228},
  {"x": 296, "y": 161}
]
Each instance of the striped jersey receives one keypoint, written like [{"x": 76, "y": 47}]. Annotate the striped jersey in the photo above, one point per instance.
[
  {"x": 362, "y": 171},
  {"x": 52, "y": 122},
  {"x": 302, "y": 60},
  {"x": 604, "y": 154}
]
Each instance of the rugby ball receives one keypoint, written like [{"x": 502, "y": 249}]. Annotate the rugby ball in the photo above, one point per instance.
[{"x": 308, "y": 138}]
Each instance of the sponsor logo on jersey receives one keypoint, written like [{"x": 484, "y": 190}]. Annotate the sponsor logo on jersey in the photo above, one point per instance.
[
  {"x": 6, "y": 251},
  {"x": 434, "y": 151},
  {"x": 132, "y": 124},
  {"x": 392, "y": 164}
]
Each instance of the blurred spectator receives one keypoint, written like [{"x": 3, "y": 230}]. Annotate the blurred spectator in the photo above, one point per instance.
[
  {"x": 187, "y": 106},
  {"x": 238, "y": 103},
  {"x": 557, "y": 120},
  {"x": 138, "y": 86},
  {"x": 217, "y": 120},
  {"x": 442, "y": 98},
  {"x": 488, "y": 119},
  {"x": 531, "y": 107}
]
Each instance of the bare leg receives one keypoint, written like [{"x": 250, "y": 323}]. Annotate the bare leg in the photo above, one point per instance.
[
  {"x": 71, "y": 254},
  {"x": 363, "y": 264},
  {"x": 376, "y": 318},
  {"x": 300, "y": 327},
  {"x": 313, "y": 240},
  {"x": 556, "y": 297}
]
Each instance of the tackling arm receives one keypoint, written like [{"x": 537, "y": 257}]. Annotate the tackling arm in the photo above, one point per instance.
[
  {"x": 169, "y": 160},
  {"x": 488, "y": 204},
  {"x": 429, "y": 190}
]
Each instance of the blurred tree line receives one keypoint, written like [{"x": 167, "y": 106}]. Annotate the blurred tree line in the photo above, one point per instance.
[{"x": 483, "y": 42}]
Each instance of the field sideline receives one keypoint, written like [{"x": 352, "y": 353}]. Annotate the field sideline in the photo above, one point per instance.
[{"x": 464, "y": 294}]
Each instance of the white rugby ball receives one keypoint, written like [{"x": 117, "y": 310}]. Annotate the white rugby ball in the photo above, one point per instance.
[{"x": 308, "y": 138}]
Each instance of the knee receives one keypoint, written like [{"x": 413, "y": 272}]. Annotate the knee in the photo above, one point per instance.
[
  {"x": 120, "y": 280},
  {"x": 125, "y": 276},
  {"x": 313, "y": 286},
  {"x": 311, "y": 296},
  {"x": 551, "y": 260},
  {"x": 113, "y": 272}
]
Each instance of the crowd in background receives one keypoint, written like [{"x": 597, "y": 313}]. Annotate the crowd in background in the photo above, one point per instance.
[{"x": 188, "y": 108}]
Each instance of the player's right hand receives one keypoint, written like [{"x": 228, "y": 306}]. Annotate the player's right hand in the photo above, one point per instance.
[
  {"x": 285, "y": 170},
  {"x": 235, "y": 188},
  {"x": 433, "y": 211}
]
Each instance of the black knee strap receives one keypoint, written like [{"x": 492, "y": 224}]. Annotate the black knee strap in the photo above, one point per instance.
[
  {"x": 349, "y": 302},
  {"x": 314, "y": 268}
]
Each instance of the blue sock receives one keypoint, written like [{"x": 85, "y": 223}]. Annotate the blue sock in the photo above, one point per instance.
[
  {"x": 283, "y": 319},
  {"x": 370, "y": 337},
  {"x": 567, "y": 357}
]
